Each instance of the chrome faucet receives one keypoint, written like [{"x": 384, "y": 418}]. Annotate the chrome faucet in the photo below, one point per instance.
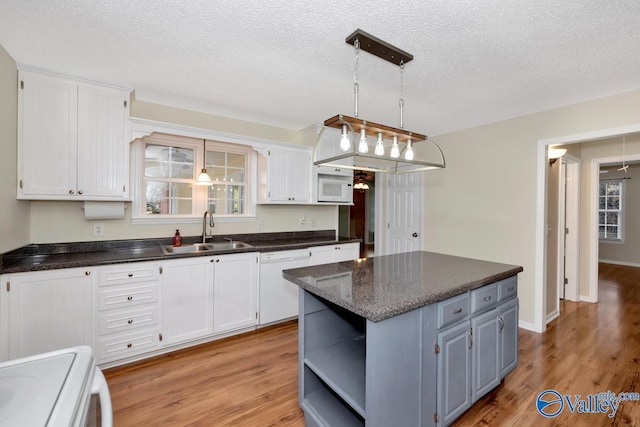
[{"x": 204, "y": 225}]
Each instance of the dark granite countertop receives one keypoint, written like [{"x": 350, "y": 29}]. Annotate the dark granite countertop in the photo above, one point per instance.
[
  {"x": 378, "y": 288},
  {"x": 37, "y": 257}
]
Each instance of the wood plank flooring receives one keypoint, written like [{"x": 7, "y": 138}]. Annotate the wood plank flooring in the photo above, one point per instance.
[{"x": 251, "y": 380}]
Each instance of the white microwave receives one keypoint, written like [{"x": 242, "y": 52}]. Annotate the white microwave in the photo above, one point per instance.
[{"x": 335, "y": 189}]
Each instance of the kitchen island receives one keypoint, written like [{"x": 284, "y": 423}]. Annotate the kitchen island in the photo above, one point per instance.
[{"x": 409, "y": 339}]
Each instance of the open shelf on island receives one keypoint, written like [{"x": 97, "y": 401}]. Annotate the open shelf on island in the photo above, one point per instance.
[
  {"x": 326, "y": 409},
  {"x": 342, "y": 367}
]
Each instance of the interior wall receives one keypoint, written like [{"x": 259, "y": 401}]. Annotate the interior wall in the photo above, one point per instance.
[
  {"x": 483, "y": 204},
  {"x": 64, "y": 222},
  {"x": 627, "y": 252},
  {"x": 553, "y": 236},
  {"x": 14, "y": 214}
]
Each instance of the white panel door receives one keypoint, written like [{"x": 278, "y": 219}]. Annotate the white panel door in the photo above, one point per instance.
[
  {"x": 404, "y": 222},
  {"x": 102, "y": 148},
  {"x": 300, "y": 176},
  {"x": 186, "y": 296},
  {"x": 49, "y": 310},
  {"x": 47, "y": 135},
  {"x": 235, "y": 291},
  {"x": 278, "y": 186}
]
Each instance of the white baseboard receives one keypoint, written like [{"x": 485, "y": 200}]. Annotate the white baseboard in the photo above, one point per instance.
[
  {"x": 587, "y": 298},
  {"x": 528, "y": 326},
  {"x": 628, "y": 264},
  {"x": 553, "y": 315}
]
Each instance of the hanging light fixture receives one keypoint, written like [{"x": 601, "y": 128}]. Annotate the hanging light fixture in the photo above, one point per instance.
[
  {"x": 203, "y": 177},
  {"x": 361, "y": 184},
  {"x": 363, "y": 147},
  {"x": 401, "y": 157},
  {"x": 379, "y": 151}
]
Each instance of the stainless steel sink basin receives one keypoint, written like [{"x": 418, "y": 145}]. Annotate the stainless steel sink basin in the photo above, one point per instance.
[
  {"x": 203, "y": 247},
  {"x": 224, "y": 246}
]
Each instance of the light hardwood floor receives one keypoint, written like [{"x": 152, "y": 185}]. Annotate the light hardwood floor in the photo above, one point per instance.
[{"x": 251, "y": 380}]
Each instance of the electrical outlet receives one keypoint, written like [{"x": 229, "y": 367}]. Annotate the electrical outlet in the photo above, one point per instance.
[
  {"x": 303, "y": 220},
  {"x": 98, "y": 229}
]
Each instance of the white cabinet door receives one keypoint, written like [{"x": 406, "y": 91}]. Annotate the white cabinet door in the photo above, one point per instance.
[
  {"x": 300, "y": 176},
  {"x": 72, "y": 142},
  {"x": 103, "y": 160},
  {"x": 334, "y": 253},
  {"x": 287, "y": 178},
  {"x": 235, "y": 291},
  {"x": 186, "y": 299},
  {"x": 49, "y": 310},
  {"x": 47, "y": 136},
  {"x": 321, "y": 255}
]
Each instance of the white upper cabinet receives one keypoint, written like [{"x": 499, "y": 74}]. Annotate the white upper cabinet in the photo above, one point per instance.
[
  {"x": 285, "y": 176},
  {"x": 72, "y": 142}
]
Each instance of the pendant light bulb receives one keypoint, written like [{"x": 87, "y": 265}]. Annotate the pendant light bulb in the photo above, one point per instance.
[
  {"x": 408, "y": 154},
  {"x": 204, "y": 178},
  {"x": 345, "y": 143},
  {"x": 379, "y": 151},
  {"x": 362, "y": 146},
  {"x": 395, "y": 150}
]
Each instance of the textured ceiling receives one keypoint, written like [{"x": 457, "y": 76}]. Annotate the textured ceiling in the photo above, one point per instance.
[{"x": 286, "y": 63}]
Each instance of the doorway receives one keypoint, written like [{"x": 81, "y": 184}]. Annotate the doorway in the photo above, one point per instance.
[
  {"x": 589, "y": 236},
  {"x": 357, "y": 221}
]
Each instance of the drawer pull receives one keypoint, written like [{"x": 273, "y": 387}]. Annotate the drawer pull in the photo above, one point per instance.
[
  {"x": 130, "y": 274},
  {"x": 129, "y": 298},
  {"x": 488, "y": 298},
  {"x": 510, "y": 288},
  {"x": 457, "y": 310},
  {"x": 129, "y": 345},
  {"x": 130, "y": 321}
]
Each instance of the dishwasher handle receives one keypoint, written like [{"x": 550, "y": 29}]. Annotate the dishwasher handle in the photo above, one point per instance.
[{"x": 273, "y": 257}]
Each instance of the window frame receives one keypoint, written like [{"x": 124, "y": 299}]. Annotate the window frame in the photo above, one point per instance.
[
  {"x": 199, "y": 193},
  {"x": 620, "y": 211}
]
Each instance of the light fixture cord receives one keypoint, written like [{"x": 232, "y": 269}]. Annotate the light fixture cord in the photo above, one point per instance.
[
  {"x": 401, "y": 101},
  {"x": 356, "y": 87}
]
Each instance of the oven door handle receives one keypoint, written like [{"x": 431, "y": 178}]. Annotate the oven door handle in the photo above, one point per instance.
[{"x": 101, "y": 388}]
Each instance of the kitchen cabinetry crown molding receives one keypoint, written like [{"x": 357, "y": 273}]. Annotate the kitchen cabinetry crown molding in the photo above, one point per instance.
[
  {"x": 77, "y": 79},
  {"x": 145, "y": 127}
]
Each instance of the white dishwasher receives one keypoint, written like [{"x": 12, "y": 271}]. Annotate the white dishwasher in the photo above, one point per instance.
[{"x": 279, "y": 297}]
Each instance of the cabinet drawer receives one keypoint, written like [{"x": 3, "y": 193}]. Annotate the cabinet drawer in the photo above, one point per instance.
[
  {"x": 126, "y": 320},
  {"x": 484, "y": 297},
  {"x": 125, "y": 345},
  {"x": 129, "y": 273},
  {"x": 507, "y": 288},
  {"x": 453, "y": 309},
  {"x": 127, "y": 297}
]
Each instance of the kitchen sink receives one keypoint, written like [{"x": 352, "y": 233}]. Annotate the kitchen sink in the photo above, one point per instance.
[{"x": 203, "y": 247}]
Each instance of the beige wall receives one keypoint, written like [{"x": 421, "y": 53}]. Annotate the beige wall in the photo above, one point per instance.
[
  {"x": 627, "y": 252},
  {"x": 14, "y": 214},
  {"x": 483, "y": 205}
]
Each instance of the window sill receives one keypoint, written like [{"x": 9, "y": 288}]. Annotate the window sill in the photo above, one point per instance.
[
  {"x": 613, "y": 241},
  {"x": 191, "y": 219}
]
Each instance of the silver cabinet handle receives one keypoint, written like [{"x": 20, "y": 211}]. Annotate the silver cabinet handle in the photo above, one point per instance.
[
  {"x": 72, "y": 192},
  {"x": 457, "y": 310},
  {"x": 487, "y": 298}
]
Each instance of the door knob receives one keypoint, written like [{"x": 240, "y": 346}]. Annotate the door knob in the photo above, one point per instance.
[{"x": 415, "y": 234}]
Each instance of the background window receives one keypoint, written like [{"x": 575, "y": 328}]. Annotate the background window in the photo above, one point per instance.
[
  {"x": 168, "y": 174},
  {"x": 228, "y": 172},
  {"x": 610, "y": 210}
]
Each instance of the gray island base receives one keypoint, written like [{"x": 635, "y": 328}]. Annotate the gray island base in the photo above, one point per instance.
[{"x": 403, "y": 340}]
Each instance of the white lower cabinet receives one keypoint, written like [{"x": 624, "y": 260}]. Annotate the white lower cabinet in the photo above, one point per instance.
[
  {"x": 127, "y": 310},
  {"x": 235, "y": 291},
  {"x": 186, "y": 299},
  {"x": 48, "y": 310},
  {"x": 334, "y": 253}
]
